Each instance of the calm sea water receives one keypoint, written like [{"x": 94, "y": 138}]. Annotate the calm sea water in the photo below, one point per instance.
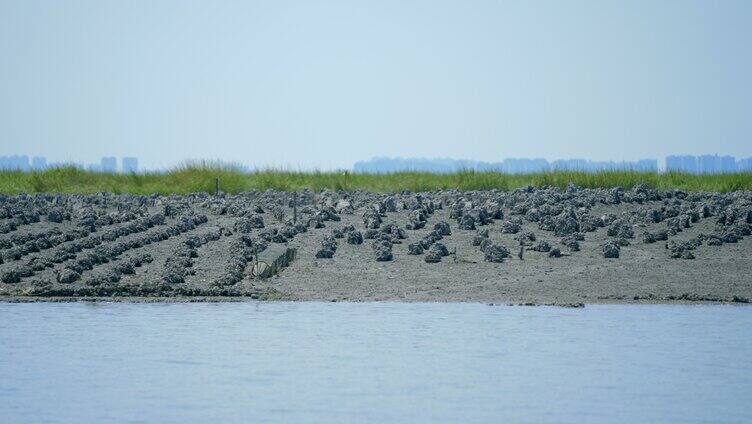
[{"x": 373, "y": 362}]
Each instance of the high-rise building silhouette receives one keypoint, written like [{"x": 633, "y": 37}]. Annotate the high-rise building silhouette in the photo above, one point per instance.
[
  {"x": 708, "y": 164},
  {"x": 745, "y": 165},
  {"x": 130, "y": 165},
  {"x": 108, "y": 164},
  {"x": 39, "y": 163},
  {"x": 728, "y": 165},
  {"x": 686, "y": 163},
  {"x": 15, "y": 163},
  {"x": 509, "y": 166}
]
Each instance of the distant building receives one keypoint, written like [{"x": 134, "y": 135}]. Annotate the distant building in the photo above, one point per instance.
[
  {"x": 39, "y": 163},
  {"x": 15, "y": 163},
  {"x": 687, "y": 164},
  {"x": 728, "y": 165},
  {"x": 647, "y": 165},
  {"x": 745, "y": 165},
  {"x": 508, "y": 166},
  {"x": 130, "y": 165},
  {"x": 690, "y": 164},
  {"x": 108, "y": 164},
  {"x": 524, "y": 166},
  {"x": 576, "y": 165},
  {"x": 709, "y": 164},
  {"x": 673, "y": 163}
]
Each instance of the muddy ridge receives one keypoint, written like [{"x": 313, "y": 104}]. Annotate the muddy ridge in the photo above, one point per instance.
[{"x": 531, "y": 245}]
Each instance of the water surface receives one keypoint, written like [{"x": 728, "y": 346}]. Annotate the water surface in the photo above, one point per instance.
[{"x": 373, "y": 362}]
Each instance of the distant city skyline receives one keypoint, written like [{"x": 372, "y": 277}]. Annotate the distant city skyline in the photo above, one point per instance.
[
  {"x": 107, "y": 164},
  {"x": 703, "y": 164}
]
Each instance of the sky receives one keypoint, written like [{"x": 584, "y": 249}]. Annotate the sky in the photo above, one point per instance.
[{"x": 322, "y": 84}]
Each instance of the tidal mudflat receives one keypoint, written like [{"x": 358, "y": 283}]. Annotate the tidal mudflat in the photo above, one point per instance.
[{"x": 532, "y": 245}]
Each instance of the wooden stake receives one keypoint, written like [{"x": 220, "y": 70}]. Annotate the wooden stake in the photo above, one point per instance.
[{"x": 295, "y": 207}]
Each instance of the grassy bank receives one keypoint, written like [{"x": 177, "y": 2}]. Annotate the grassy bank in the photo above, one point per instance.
[{"x": 191, "y": 179}]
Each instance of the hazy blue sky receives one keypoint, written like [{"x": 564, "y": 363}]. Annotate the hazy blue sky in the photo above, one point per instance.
[{"x": 326, "y": 83}]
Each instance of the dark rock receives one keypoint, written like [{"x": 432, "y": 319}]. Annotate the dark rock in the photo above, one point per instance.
[
  {"x": 541, "y": 246},
  {"x": 67, "y": 276},
  {"x": 354, "y": 237},
  {"x": 173, "y": 278},
  {"x": 620, "y": 228},
  {"x": 687, "y": 254},
  {"x": 383, "y": 254},
  {"x": 414, "y": 249},
  {"x": 478, "y": 239},
  {"x": 394, "y": 231},
  {"x": 467, "y": 222},
  {"x": 648, "y": 237},
  {"x": 440, "y": 249},
  {"x": 654, "y": 215},
  {"x": 432, "y": 257},
  {"x": 125, "y": 267},
  {"x": 510, "y": 227},
  {"x": 525, "y": 237},
  {"x": 714, "y": 240},
  {"x": 371, "y": 219},
  {"x": 588, "y": 224},
  {"x": 248, "y": 224},
  {"x": 10, "y": 277},
  {"x": 442, "y": 227},
  {"x": 566, "y": 223},
  {"x": 611, "y": 250},
  {"x": 56, "y": 215},
  {"x": 495, "y": 253},
  {"x": 621, "y": 241},
  {"x": 416, "y": 220},
  {"x": 325, "y": 254},
  {"x": 607, "y": 219},
  {"x": 484, "y": 244},
  {"x": 546, "y": 223},
  {"x": 390, "y": 204},
  {"x": 329, "y": 243},
  {"x": 571, "y": 244}
]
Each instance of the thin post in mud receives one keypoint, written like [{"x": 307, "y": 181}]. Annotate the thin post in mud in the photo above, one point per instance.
[
  {"x": 216, "y": 186},
  {"x": 294, "y": 207}
]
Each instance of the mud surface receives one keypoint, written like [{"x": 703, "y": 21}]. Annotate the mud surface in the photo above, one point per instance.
[{"x": 528, "y": 246}]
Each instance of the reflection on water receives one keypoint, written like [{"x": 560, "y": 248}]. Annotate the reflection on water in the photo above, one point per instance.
[{"x": 345, "y": 362}]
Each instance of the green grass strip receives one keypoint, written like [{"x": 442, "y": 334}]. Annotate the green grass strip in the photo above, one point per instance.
[{"x": 201, "y": 178}]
